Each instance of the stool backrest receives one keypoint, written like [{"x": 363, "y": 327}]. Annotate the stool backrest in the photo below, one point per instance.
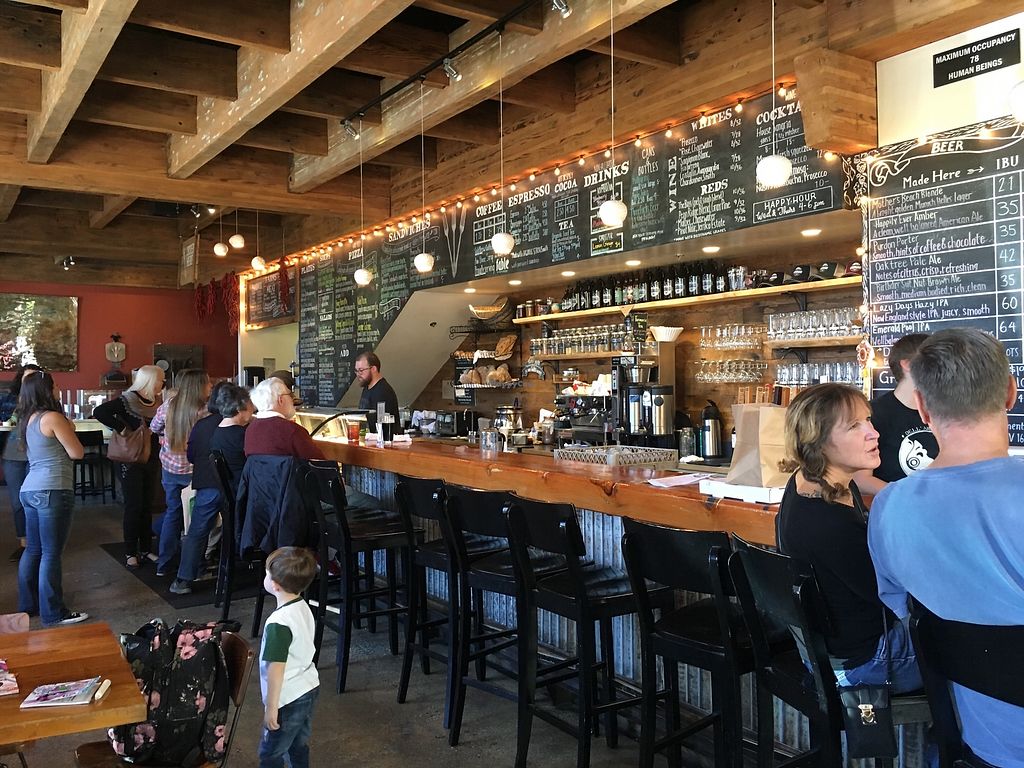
[
  {"x": 985, "y": 658},
  {"x": 239, "y": 657},
  {"x": 227, "y": 495},
  {"x": 695, "y": 561},
  {"x": 777, "y": 592},
  {"x": 467, "y": 510},
  {"x": 547, "y": 527},
  {"x": 324, "y": 487},
  {"x": 90, "y": 438},
  {"x": 417, "y": 497}
]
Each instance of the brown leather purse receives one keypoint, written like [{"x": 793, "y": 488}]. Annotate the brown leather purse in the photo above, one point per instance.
[{"x": 131, "y": 447}]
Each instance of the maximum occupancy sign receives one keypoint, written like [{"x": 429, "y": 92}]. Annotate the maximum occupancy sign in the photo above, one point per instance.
[{"x": 945, "y": 238}]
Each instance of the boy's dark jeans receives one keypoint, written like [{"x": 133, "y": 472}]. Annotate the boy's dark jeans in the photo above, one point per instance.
[{"x": 292, "y": 737}]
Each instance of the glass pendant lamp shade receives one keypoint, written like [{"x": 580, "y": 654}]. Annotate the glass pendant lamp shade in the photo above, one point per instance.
[
  {"x": 220, "y": 249},
  {"x": 424, "y": 262},
  {"x": 236, "y": 241},
  {"x": 774, "y": 171},
  {"x": 258, "y": 262},
  {"x": 503, "y": 243},
  {"x": 363, "y": 276},
  {"x": 613, "y": 212}
]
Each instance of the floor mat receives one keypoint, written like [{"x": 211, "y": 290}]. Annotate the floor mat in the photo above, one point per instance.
[{"x": 247, "y": 582}]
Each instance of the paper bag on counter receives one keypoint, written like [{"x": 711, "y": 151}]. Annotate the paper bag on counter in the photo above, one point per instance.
[{"x": 760, "y": 445}]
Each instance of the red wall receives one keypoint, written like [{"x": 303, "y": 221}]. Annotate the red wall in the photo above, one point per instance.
[{"x": 143, "y": 317}]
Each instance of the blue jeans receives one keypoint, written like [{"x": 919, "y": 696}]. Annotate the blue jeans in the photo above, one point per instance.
[
  {"x": 193, "y": 546},
  {"x": 15, "y": 473},
  {"x": 47, "y": 525},
  {"x": 292, "y": 736},
  {"x": 174, "y": 520},
  {"x": 906, "y": 676}
]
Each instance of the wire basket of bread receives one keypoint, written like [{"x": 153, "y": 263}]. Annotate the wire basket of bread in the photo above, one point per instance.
[
  {"x": 496, "y": 311},
  {"x": 487, "y": 376}
]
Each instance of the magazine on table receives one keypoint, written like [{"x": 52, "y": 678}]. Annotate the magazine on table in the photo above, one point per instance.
[
  {"x": 8, "y": 682},
  {"x": 63, "y": 694}
]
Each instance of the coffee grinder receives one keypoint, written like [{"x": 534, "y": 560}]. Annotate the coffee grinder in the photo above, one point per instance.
[{"x": 643, "y": 393}]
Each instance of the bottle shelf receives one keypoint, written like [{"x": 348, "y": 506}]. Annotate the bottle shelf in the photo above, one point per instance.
[
  {"x": 828, "y": 341},
  {"x": 587, "y": 356},
  {"x": 836, "y": 284}
]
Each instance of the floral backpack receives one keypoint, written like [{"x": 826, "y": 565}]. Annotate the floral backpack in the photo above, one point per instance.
[{"x": 183, "y": 675}]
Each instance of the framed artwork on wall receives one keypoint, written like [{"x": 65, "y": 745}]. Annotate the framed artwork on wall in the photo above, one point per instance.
[
  {"x": 38, "y": 329},
  {"x": 188, "y": 267}
]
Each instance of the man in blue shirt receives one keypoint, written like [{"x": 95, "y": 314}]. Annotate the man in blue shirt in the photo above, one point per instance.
[{"x": 950, "y": 535}]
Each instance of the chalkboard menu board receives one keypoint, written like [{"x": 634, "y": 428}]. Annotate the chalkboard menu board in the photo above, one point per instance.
[
  {"x": 696, "y": 182},
  {"x": 264, "y": 301},
  {"x": 944, "y": 232}
]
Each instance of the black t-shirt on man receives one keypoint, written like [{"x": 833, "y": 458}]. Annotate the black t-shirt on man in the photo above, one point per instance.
[
  {"x": 905, "y": 444},
  {"x": 381, "y": 392}
]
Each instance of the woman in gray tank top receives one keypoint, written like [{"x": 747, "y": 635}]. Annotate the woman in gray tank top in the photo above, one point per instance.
[{"x": 48, "y": 497}]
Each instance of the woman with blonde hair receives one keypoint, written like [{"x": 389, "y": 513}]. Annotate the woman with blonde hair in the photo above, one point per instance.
[
  {"x": 823, "y": 522},
  {"x": 173, "y": 422},
  {"x": 136, "y": 407}
]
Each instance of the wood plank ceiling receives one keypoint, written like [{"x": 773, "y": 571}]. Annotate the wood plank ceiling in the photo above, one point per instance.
[{"x": 120, "y": 120}]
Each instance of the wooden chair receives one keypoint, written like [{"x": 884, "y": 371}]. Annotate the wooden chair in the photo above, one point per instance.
[
  {"x": 240, "y": 657},
  {"x": 10, "y": 623}
]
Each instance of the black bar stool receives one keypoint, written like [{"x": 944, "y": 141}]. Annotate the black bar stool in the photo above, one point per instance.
[
  {"x": 589, "y": 595},
  {"x": 94, "y": 460},
  {"x": 423, "y": 500},
  {"x": 708, "y": 634},
  {"x": 780, "y": 595},
  {"x": 349, "y": 537}
]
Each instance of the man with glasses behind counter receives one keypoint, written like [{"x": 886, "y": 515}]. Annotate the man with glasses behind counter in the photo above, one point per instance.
[{"x": 375, "y": 389}]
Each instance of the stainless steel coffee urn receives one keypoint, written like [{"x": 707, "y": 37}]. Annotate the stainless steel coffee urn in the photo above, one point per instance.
[{"x": 711, "y": 432}]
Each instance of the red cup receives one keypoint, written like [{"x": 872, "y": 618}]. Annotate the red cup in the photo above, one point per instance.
[{"x": 353, "y": 431}]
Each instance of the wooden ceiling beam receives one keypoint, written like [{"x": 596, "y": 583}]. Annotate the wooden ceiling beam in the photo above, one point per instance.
[
  {"x": 284, "y": 132},
  {"x": 8, "y": 197},
  {"x": 60, "y": 5},
  {"x": 407, "y": 155},
  {"x": 654, "y": 41},
  {"x": 400, "y": 51},
  {"x": 258, "y": 23},
  {"x": 29, "y": 38},
  {"x": 529, "y": 22},
  {"x": 145, "y": 109},
  {"x": 55, "y": 198},
  {"x": 552, "y": 89},
  {"x": 838, "y": 100},
  {"x": 113, "y": 206},
  {"x": 477, "y": 125},
  {"x": 328, "y": 30},
  {"x": 89, "y": 272},
  {"x": 522, "y": 56},
  {"x": 118, "y": 161},
  {"x": 337, "y": 94},
  {"x": 85, "y": 41},
  {"x": 39, "y": 232},
  {"x": 153, "y": 59},
  {"x": 20, "y": 89}
]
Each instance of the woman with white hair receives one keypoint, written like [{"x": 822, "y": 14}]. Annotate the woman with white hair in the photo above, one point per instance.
[{"x": 139, "y": 482}]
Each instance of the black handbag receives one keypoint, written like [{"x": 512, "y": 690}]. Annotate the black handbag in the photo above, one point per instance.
[{"x": 867, "y": 714}]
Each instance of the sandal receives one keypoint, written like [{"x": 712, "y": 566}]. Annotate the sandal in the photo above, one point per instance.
[
  {"x": 131, "y": 562},
  {"x": 152, "y": 557}
]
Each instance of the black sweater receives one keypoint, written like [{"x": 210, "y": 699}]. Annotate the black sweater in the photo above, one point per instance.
[{"x": 833, "y": 538}]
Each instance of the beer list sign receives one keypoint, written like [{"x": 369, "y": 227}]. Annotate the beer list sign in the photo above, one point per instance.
[
  {"x": 698, "y": 181},
  {"x": 943, "y": 228}
]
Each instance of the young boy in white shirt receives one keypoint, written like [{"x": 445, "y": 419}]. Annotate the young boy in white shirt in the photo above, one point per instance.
[{"x": 288, "y": 678}]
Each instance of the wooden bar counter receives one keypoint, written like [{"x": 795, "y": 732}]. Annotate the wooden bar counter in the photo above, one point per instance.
[{"x": 620, "y": 491}]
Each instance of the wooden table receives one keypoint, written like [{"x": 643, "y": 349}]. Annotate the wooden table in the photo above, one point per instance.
[{"x": 59, "y": 655}]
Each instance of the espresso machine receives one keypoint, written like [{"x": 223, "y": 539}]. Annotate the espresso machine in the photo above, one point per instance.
[{"x": 643, "y": 397}]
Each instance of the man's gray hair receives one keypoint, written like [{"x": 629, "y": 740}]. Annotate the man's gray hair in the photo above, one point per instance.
[
  {"x": 264, "y": 395},
  {"x": 962, "y": 374}
]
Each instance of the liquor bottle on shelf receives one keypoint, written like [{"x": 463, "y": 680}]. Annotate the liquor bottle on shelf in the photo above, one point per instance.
[
  {"x": 628, "y": 290},
  {"x": 640, "y": 289},
  {"x": 693, "y": 279},
  {"x": 653, "y": 285},
  {"x": 607, "y": 293},
  {"x": 595, "y": 294},
  {"x": 707, "y": 278},
  {"x": 584, "y": 295},
  {"x": 618, "y": 295},
  {"x": 680, "y": 281},
  {"x": 667, "y": 284}
]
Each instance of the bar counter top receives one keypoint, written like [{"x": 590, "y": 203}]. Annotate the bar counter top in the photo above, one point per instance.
[{"x": 621, "y": 491}]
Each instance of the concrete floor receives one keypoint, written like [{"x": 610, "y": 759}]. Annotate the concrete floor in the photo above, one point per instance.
[{"x": 364, "y": 726}]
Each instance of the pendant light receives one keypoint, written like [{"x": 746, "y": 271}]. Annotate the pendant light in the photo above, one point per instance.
[
  {"x": 220, "y": 248},
  {"x": 362, "y": 276},
  {"x": 612, "y": 211},
  {"x": 424, "y": 262},
  {"x": 258, "y": 262},
  {"x": 236, "y": 240},
  {"x": 502, "y": 243},
  {"x": 773, "y": 170}
]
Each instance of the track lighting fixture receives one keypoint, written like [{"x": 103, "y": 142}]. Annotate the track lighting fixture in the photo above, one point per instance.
[
  {"x": 195, "y": 211},
  {"x": 451, "y": 71},
  {"x": 350, "y": 129},
  {"x": 66, "y": 265},
  {"x": 211, "y": 209},
  {"x": 563, "y": 7}
]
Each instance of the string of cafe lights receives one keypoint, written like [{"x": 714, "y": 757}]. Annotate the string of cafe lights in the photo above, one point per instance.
[{"x": 515, "y": 183}]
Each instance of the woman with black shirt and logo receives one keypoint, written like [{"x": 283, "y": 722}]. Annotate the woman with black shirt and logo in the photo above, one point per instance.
[{"x": 823, "y": 522}]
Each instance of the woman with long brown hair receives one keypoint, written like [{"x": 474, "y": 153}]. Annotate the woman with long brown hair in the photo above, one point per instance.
[
  {"x": 823, "y": 522},
  {"x": 173, "y": 422},
  {"x": 48, "y": 497}
]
